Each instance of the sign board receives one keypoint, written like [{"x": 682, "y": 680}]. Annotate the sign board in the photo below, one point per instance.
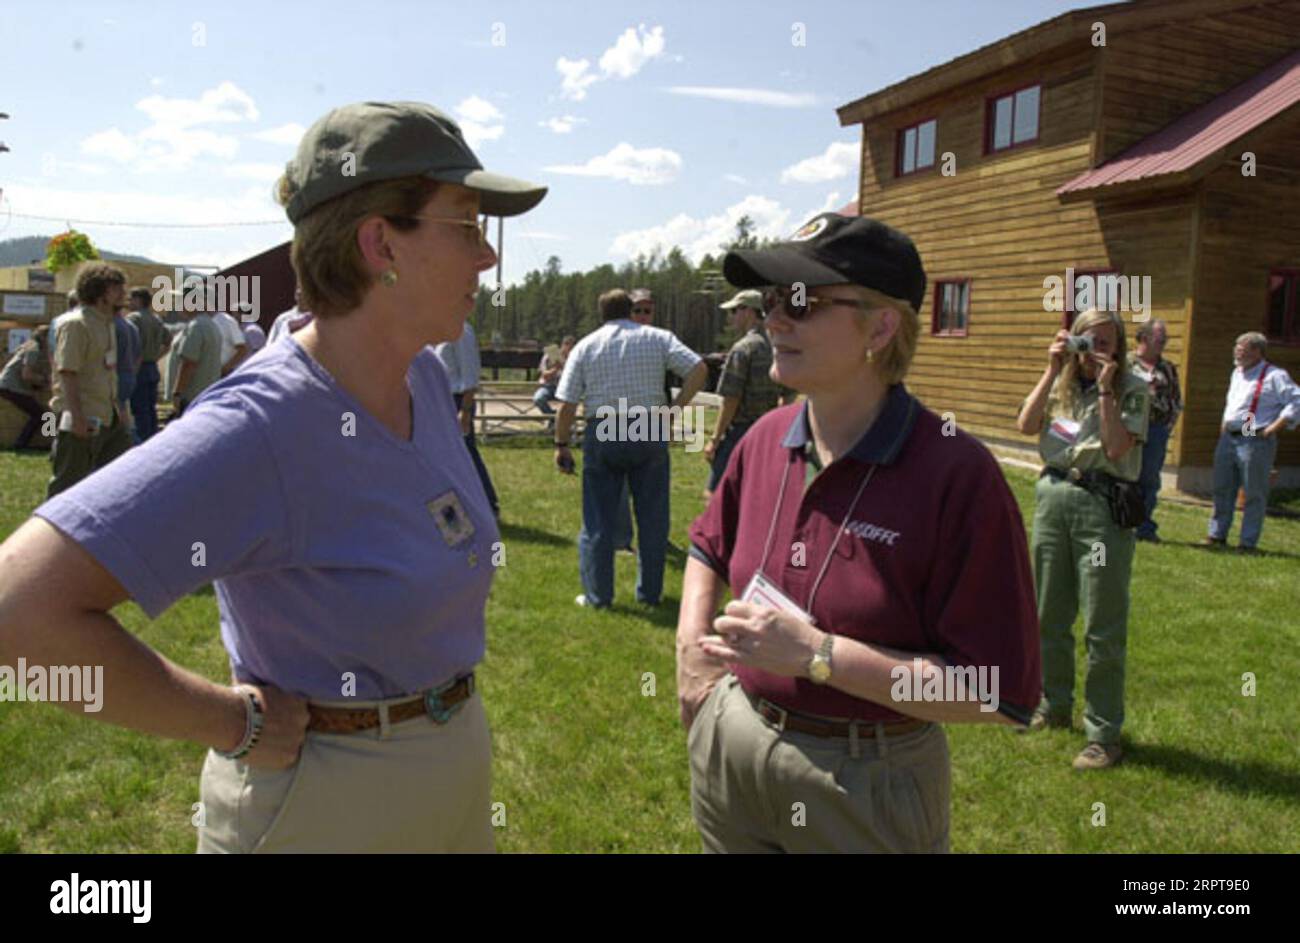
[
  {"x": 29, "y": 305},
  {"x": 39, "y": 279},
  {"x": 18, "y": 336}
]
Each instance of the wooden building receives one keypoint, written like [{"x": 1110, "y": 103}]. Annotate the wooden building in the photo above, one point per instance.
[{"x": 1158, "y": 140}]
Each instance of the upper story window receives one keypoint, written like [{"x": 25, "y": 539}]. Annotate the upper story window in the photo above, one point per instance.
[
  {"x": 1283, "y": 320},
  {"x": 916, "y": 148},
  {"x": 1013, "y": 119}
]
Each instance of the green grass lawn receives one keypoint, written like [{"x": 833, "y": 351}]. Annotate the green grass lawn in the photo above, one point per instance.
[{"x": 584, "y": 761}]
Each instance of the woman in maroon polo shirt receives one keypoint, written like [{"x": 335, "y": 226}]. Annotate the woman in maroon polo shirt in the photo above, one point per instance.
[{"x": 879, "y": 571}]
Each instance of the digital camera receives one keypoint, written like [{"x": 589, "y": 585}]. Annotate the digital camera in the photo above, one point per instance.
[{"x": 1078, "y": 344}]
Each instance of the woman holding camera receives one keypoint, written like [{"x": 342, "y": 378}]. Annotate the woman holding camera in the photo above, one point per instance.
[{"x": 1090, "y": 415}]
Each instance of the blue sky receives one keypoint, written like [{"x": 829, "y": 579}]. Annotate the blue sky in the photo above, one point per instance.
[{"x": 685, "y": 115}]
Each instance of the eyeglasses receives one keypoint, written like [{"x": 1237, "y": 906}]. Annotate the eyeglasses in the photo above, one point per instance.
[
  {"x": 480, "y": 226},
  {"x": 797, "y": 312}
]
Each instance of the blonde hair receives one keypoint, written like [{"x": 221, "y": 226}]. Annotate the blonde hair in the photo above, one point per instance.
[
  {"x": 332, "y": 275},
  {"x": 1065, "y": 391},
  {"x": 893, "y": 360}
]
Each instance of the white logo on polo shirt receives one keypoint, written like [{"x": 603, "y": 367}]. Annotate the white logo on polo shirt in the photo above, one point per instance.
[{"x": 872, "y": 532}]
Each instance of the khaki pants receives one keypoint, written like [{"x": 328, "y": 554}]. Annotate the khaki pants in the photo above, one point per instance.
[
  {"x": 422, "y": 788},
  {"x": 754, "y": 789}
]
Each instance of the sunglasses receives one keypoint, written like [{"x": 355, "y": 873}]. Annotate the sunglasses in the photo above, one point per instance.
[
  {"x": 480, "y": 226},
  {"x": 785, "y": 298}
]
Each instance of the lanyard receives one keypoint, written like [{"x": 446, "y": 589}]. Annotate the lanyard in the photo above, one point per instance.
[{"x": 771, "y": 533}]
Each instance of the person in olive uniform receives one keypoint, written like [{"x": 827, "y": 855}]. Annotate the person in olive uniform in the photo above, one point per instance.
[
  {"x": 746, "y": 389},
  {"x": 1090, "y": 414}
]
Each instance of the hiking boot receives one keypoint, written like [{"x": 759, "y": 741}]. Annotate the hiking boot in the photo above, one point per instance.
[
  {"x": 1098, "y": 756},
  {"x": 1042, "y": 719}
]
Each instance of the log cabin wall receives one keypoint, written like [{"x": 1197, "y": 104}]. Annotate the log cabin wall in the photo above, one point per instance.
[
  {"x": 998, "y": 222},
  {"x": 1158, "y": 74},
  {"x": 1248, "y": 226}
]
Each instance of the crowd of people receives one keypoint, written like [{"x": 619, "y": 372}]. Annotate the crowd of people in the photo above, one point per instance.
[{"x": 850, "y": 527}]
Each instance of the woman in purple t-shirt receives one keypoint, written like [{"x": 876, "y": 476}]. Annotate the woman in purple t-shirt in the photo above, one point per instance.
[{"x": 324, "y": 489}]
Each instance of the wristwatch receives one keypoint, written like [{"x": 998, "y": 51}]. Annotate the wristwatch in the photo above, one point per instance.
[{"x": 819, "y": 667}]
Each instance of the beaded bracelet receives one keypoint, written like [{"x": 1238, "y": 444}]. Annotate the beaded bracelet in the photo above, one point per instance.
[{"x": 253, "y": 718}]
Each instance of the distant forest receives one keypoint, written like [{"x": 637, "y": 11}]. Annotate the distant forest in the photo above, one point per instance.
[
  {"x": 30, "y": 250},
  {"x": 552, "y": 303}
]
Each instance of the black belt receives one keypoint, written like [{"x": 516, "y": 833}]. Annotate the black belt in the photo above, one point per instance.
[{"x": 1095, "y": 481}]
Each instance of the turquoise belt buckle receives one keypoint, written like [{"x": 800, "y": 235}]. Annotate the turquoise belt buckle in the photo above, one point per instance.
[{"x": 434, "y": 707}]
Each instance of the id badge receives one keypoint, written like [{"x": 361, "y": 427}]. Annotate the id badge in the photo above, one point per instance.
[
  {"x": 449, "y": 514},
  {"x": 763, "y": 592},
  {"x": 1067, "y": 430}
]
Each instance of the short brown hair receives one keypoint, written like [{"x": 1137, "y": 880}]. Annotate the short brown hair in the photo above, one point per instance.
[
  {"x": 895, "y": 358},
  {"x": 614, "y": 304},
  {"x": 332, "y": 275},
  {"x": 94, "y": 280}
]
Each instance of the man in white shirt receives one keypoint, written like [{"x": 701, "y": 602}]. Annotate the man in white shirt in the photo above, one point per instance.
[
  {"x": 234, "y": 346},
  {"x": 1262, "y": 398},
  {"x": 461, "y": 360},
  {"x": 620, "y": 368}
]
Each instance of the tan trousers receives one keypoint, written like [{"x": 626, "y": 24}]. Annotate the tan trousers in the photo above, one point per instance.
[
  {"x": 754, "y": 789},
  {"x": 420, "y": 788}
]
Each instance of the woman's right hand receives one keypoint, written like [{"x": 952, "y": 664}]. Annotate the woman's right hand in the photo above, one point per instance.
[
  {"x": 284, "y": 728},
  {"x": 1056, "y": 353}
]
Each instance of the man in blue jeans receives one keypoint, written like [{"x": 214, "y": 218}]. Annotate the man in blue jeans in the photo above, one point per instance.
[
  {"x": 1262, "y": 399},
  {"x": 617, "y": 373},
  {"x": 1161, "y": 376}
]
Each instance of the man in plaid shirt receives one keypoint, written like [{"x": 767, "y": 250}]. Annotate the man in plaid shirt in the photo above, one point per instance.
[
  {"x": 618, "y": 371},
  {"x": 1147, "y": 363}
]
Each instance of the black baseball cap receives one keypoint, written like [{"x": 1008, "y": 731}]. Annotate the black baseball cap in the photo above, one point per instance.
[
  {"x": 831, "y": 249},
  {"x": 372, "y": 141}
]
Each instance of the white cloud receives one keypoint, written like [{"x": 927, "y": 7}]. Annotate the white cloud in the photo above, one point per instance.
[
  {"x": 290, "y": 134},
  {"x": 748, "y": 96},
  {"x": 562, "y": 125},
  {"x": 223, "y": 104},
  {"x": 479, "y": 120},
  {"x": 632, "y": 50},
  {"x": 174, "y": 141},
  {"x": 156, "y": 82},
  {"x": 648, "y": 166},
  {"x": 112, "y": 144},
  {"x": 838, "y": 160},
  {"x": 255, "y": 171},
  {"x": 478, "y": 109},
  {"x": 698, "y": 237},
  {"x": 735, "y": 178},
  {"x": 575, "y": 78},
  {"x": 150, "y": 204}
]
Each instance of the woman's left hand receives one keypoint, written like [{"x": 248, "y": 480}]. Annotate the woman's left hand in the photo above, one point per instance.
[{"x": 760, "y": 637}]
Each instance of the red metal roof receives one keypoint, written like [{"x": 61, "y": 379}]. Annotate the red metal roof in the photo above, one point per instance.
[{"x": 1201, "y": 133}]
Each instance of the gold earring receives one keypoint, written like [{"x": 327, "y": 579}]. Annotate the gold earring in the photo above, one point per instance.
[
  {"x": 389, "y": 278},
  {"x": 870, "y": 354}
]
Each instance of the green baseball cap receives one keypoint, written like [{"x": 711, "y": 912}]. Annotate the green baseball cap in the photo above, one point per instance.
[{"x": 371, "y": 141}]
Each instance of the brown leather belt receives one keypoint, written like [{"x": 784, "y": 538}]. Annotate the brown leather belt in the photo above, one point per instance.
[
  {"x": 783, "y": 719},
  {"x": 440, "y": 704}
]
